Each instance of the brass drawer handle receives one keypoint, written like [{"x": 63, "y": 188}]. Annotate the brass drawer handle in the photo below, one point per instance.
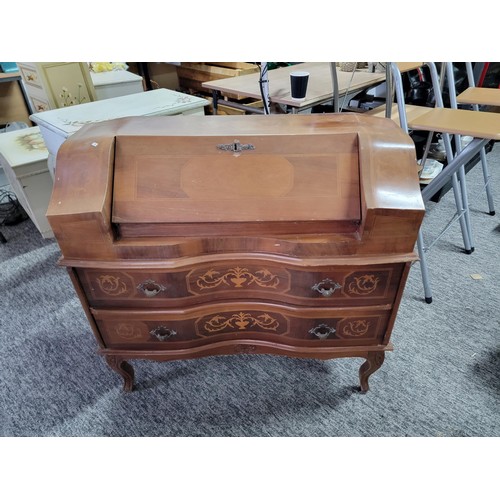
[
  {"x": 322, "y": 331},
  {"x": 150, "y": 288},
  {"x": 326, "y": 287},
  {"x": 162, "y": 333}
]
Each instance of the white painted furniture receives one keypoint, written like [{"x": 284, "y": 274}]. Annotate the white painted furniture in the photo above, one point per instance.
[
  {"x": 58, "y": 124},
  {"x": 109, "y": 84},
  {"x": 52, "y": 85},
  {"x": 23, "y": 157}
]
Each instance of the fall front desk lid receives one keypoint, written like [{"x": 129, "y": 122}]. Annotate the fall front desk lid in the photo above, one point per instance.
[{"x": 231, "y": 179}]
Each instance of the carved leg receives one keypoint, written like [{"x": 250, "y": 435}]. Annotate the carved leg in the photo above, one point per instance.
[
  {"x": 373, "y": 362},
  {"x": 124, "y": 369}
]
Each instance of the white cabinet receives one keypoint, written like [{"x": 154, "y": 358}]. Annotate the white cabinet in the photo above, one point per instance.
[
  {"x": 23, "y": 157},
  {"x": 52, "y": 85},
  {"x": 110, "y": 84}
]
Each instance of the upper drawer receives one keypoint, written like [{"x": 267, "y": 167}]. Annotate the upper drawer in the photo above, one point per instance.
[{"x": 335, "y": 286}]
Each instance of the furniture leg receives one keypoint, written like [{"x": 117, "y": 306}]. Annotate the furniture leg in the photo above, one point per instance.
[
  {"x": 460, "y": 193},
  {"x": 120, "y": 366},
  {"x": 423, "y": 268},
  {"x": 461, "y": 212},
  {"x": 374, "y": 361},
  {"x": 215, "y": 96},
  {"x": 486, "y": 176},
  {"x": 465, "y": 205}
]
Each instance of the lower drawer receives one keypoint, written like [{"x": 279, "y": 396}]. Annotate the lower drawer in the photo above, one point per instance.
[{"x": 176, "y": 329}]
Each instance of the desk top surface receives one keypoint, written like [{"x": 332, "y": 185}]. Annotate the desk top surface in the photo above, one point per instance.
[{"x": 319, "y": 88}]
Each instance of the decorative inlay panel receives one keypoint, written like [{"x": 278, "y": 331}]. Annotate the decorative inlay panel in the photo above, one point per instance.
[
  {"x": 111, "y": 285},
  {"x": 242, "y": 322},
  {"x": 128, "y": 331},
  {"x": 350, "y": 328},
  {"x": 356, "y": 328},
  {"x": 364, "y": 284},
  {"x": 219, "y": 278}
]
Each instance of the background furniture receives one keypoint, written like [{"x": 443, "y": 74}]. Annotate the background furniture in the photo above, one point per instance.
[
  {"x": 319, "y": 88},
  {"x": 23, "y": 156},
  {"x": 52, "y": 85},
  {"x": 475, "y": 97},
  {"x": 481, "y": 126},
  {"x": 194, "y": 236},
  {"x": 108, "y": 84},
  {"x": 57, "y": 125},
  {"x": 14, "y": 105}
]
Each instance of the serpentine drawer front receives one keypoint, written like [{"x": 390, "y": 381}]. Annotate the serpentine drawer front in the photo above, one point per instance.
[
  {"x": 335, "y": 286},
  {"x": 195, "y": 236},
  {"x": 159, "y": 330}
]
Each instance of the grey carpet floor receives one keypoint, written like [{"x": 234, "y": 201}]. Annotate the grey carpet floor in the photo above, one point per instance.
[{"x": 441, "y": 380}]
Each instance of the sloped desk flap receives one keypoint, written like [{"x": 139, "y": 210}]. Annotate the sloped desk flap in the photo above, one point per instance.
[{"x": 231, "y": 179}]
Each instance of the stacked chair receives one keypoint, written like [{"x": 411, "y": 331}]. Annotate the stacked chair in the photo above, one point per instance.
[{"x": 450, "y": 122}]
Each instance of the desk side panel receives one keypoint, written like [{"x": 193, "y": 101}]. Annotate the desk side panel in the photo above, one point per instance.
[
  {"x": 79, "y": 211},
  {"x": 391, "y": 203}
]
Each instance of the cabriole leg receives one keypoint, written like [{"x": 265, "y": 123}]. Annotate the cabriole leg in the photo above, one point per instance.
[
  {"x": 373, "y": 362},
  {"x": 120, "y": 366}
]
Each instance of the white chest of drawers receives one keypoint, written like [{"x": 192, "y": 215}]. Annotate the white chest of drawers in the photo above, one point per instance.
[
  {"x": 23, "y": 157},
  {"x": 109, "y": 84},
  {"x": 58, "y": 124}
]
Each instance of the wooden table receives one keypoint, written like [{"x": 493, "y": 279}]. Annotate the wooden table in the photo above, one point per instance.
[{"x": 319, "y": 88}]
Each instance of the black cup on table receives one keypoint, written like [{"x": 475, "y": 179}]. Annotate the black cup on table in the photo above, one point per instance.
[{"x": 298, "y": 84}]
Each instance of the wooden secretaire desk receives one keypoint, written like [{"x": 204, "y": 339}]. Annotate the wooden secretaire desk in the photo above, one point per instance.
[{"x": 280, "y": 234}]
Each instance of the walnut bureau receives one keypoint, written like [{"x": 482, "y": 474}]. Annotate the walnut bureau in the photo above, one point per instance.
[{"x": 190, "y": 236}]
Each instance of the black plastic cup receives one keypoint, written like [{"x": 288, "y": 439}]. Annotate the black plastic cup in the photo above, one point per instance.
[{"x": 298, "y": 84}]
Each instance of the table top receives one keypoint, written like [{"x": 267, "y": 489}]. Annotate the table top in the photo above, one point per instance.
[
  {"x": 159, "y": 102},
  {"x": 319, "y": 87},
  {"x": 10, "y": 77}
]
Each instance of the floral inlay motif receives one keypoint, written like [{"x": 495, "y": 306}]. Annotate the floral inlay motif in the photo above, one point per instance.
[
  {"x": 363, "y": 285},
  {"x": 237, "y": 277},
  {"x": 32, "y": 141},
  {"x": 127, "y": 331},
  {"x": 111, "y": 285},
  {"x": 241, "y": 321},
  {"x": 356, "y": 328}
]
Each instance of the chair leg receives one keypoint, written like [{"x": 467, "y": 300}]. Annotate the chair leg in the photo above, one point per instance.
[
  {"x": 486, "y": 176},
  {"x": 466, "y": 208},
  {"x": 458, "y": 191},
  {"x": 423, "y": 268},
  {"x": 461, "y": 213}
]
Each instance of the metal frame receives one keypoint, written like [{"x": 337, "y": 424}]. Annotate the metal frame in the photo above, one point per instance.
[{"x": 454, "y": 170}]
